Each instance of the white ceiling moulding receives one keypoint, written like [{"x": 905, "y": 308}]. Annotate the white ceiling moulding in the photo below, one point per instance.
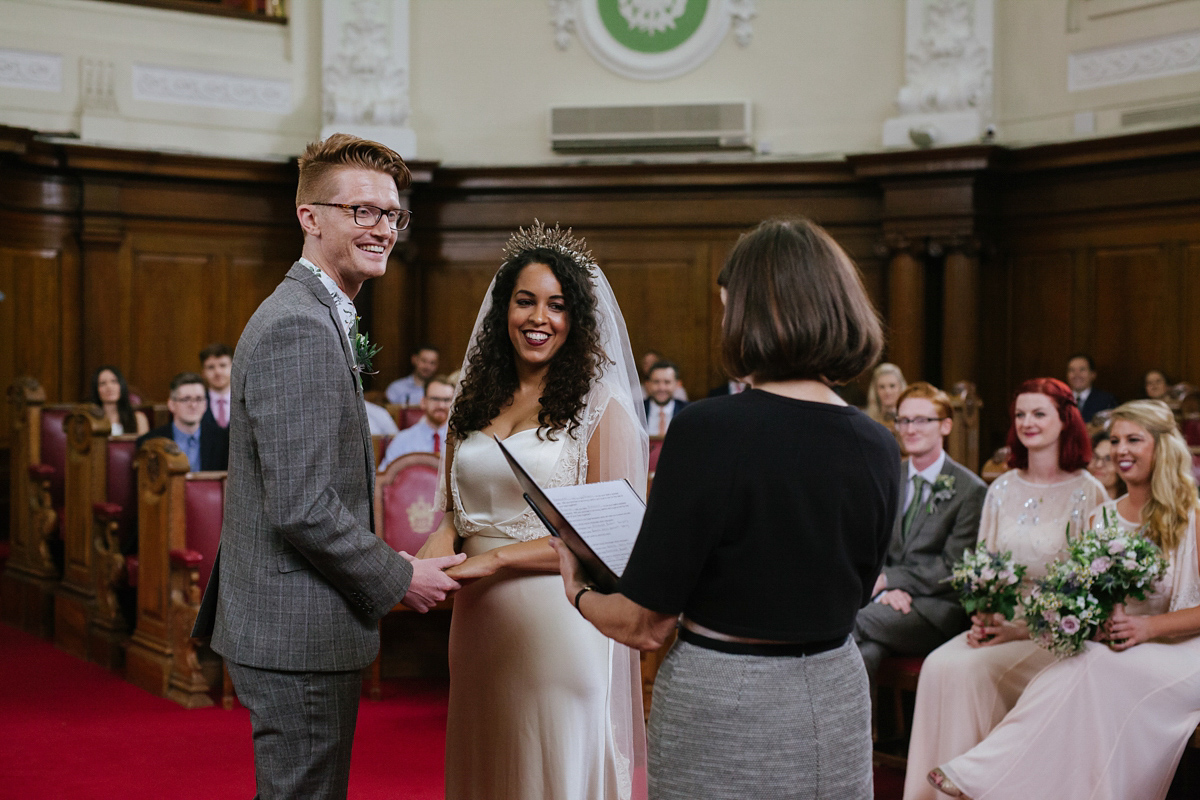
[
  {"x": 1178, "y": 54},
  {"x": 23, "y": 69},
  {"x": 210, "y": 89},
  {"x": 651, "y": 39}
]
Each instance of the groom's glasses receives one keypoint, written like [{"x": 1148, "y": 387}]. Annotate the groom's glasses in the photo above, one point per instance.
[{"x": 369, "y": 216}]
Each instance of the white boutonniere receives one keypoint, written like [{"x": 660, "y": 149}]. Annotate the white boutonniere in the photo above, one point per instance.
[
  {"x": 942, "y": 489},
  {"x": 364, "y": 351}
]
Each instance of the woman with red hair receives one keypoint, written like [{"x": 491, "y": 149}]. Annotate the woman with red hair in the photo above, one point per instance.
[{"x": 968, "y": 684}]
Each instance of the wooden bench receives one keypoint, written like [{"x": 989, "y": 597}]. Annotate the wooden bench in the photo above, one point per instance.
[
  {"x": 38, "y": 450},
  {"x": 179, "y": 523},
  {"x": 114, "y": 557},
  {"x": 84, "y": 485}
]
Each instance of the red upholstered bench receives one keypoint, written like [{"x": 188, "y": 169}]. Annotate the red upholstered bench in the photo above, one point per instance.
[
  {"x": 405, "y": 516},
  {"x": 115, "y": 564}
]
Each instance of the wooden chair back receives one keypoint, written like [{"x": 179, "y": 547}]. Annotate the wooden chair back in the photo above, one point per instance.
[
  {"x": 656, "y": 443},
  {"x": 409, "y": 416},
  {"x": 404, "y": 493},
  {"x": 204, "y": 510},
  {"x": 379, "y": 443},
  {"x": 963, "y": 442}
]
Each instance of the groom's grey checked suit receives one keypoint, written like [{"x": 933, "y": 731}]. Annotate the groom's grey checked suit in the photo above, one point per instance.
[
  {"x": 301, "y": 579},
  {"x": 919, "y": 563}
]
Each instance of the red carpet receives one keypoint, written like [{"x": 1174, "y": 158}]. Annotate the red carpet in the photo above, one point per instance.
[{"x": 74, "y": 731}]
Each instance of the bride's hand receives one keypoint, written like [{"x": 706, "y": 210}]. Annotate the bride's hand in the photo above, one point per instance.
[
  {"x": 570, "y": 568},
  {"x": 475, "y": 567}
]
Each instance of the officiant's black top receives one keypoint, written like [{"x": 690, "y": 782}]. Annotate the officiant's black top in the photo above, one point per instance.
[{"x": 769, "y": 517}]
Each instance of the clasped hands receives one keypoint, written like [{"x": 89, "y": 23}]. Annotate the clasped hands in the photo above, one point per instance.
[
  {"x": 1122, "y": 631},
  {"x": 430, "y": 584}
]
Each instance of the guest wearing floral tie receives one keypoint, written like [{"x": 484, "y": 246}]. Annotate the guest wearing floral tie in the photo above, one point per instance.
[
  {"x": 914, "y": 608},
  {"x": 217, "y": 363},
  {"x": 428, "y": 434},
  {"x": 662, "y": 405}
]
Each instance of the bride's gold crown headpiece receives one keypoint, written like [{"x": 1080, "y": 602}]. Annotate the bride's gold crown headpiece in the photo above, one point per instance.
[{"x": 557, "y": 239}]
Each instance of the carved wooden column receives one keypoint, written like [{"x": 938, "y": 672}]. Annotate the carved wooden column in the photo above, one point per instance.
[
  {"x": 27, "y": 585},
  {"x": 162, "y": 525},
  {"x": 960, "y": 313},
  {"x": 84, "y": 485},
  {"x": 906, "y": 309}
]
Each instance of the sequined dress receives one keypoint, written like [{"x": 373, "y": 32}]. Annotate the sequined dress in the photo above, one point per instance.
[
  {"x": 1103, "y": 725},
  {"x": 963, "y": 692},
  {"x": 530, "y": 680}
]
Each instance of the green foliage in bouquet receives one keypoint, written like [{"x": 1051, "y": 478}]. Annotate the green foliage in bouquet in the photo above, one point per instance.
[
  {"x": 1104, "y": 567},
  {"x": 988, "y": 583}
]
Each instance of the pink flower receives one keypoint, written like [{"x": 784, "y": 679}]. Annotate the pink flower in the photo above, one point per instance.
[
  {"x": 1069, "y": 624},
  {"x": 1117, "y": 546},
  {"x": 1130, "y": 564},
  {"x": 987, "y": 574},
  {"x": 1100, "y": 564}
]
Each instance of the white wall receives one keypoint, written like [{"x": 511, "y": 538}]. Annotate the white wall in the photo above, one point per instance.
[{"x": 822, "y": 74}]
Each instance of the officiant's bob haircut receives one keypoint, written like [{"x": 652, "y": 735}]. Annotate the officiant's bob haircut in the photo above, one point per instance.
[
  {"x": 795, "y": 307},
  {"x": 321, "y": 161}
]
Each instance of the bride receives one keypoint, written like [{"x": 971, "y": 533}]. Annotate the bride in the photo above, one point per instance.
[{"x": 541, "y": 704}]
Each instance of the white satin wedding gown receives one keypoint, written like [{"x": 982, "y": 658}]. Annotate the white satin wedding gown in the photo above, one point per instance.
[{"x": 539, "y": 699}]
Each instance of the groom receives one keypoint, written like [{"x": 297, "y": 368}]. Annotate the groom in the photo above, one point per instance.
[
  {"x": 914, "y": 610},
  {"x": 301, "y": 580}
]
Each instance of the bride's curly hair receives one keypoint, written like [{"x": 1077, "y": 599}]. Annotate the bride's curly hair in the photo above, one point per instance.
[{"x": 490, "y": 378}]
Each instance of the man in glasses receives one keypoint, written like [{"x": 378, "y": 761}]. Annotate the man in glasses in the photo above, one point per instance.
[
  {"x": 202, "y": 440},
  {"x": 428, "y": 434},
  {"x": 301, "y": 578},
  {"x": 914, "y": 609}
]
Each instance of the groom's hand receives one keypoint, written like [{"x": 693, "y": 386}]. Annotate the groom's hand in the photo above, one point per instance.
[{"x": 430, "y": 584}]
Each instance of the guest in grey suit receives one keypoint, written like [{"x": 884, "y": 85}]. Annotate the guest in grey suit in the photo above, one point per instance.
[
  {"x": 913, "y": 610},
  {"x": 301, "y": 579}
]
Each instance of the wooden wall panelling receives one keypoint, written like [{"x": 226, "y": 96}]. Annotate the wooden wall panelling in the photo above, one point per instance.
[
  {"x": 1136, "y": 322},
  {"x": 1189, "y": 353}
]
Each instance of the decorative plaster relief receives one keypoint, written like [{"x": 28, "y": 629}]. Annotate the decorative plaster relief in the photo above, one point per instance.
[
  {"x": 210, "y": 89},
  {"x": 22, "y": 69},
  {"x": 949, "y": 64},
  {"x": 1136, "y": 61},
  {"x": 365, "y": 81}
]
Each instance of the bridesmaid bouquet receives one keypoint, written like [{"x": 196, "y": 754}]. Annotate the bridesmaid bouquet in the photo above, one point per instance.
[
  {"x": 1104, "y": 567},
  {"x": 988, "y": 583}
]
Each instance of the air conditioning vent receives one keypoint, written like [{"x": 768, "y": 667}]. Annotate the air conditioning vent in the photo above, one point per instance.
[
  {"x": 1163, "y": 114},
  {"x": 684, "y": 126}
]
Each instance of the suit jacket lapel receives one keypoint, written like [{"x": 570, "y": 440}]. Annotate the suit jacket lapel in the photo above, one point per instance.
[{"x": 306, "y": 276}]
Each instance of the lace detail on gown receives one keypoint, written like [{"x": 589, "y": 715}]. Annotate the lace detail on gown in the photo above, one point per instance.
[{"x": 570, "y": 469}]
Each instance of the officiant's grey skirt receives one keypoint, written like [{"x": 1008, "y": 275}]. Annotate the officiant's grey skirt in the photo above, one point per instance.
[{"x": 732, "y": 727}]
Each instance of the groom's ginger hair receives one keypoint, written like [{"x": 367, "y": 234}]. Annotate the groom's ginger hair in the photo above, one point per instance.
[
  {"x": 927, "y": 391},
  {"x": 321, "y": 161}
]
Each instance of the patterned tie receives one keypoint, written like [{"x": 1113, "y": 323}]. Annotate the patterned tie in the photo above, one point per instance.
[
  {"x": 662, "y": 420},
  {"x": 437, "y": 442},
  {"x": 911, "y": 513},
  {"x": 222, "y": 414}
]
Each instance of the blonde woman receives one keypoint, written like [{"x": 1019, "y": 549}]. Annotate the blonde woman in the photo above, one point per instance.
[
  {"x": 1114, "y": 720},
  {"x": 887, "y": 382}
]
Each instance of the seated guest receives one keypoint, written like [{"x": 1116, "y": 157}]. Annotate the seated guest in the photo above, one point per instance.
[
  {"x": 1081, "y": 375},
  {"x": 915, "y": 609},
  {"x": 428, "y": 434},
  {"x": 1113, "y": 721},
  {"x": 662, "y": 405},
  {"x": 1157, "y": 385},
  {"x": 111, "y": 393},
  {"x": 731, "y": 386},
  {"x": 649, "y": 359},
  {"x": 216, "y": 360},
  {"x": 409, "y": 390},
  {"x": 1102, "y": 467},
  {"x": 206, "y": 444},
  {"x": 380, "y": 420},
  {"x": 883, "y": 395}
]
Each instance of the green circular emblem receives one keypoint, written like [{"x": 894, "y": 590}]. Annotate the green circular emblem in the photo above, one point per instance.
[{"x": 652, "y": 26}]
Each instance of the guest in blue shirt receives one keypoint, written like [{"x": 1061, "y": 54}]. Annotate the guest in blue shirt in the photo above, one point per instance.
[{"x": 202, "y": 440}]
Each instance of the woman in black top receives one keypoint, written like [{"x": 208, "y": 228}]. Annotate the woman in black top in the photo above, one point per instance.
[{"x": 766, "y": 527}]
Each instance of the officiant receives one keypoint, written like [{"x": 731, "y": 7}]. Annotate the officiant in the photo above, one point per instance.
[{"x": 763, "y": 551}]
